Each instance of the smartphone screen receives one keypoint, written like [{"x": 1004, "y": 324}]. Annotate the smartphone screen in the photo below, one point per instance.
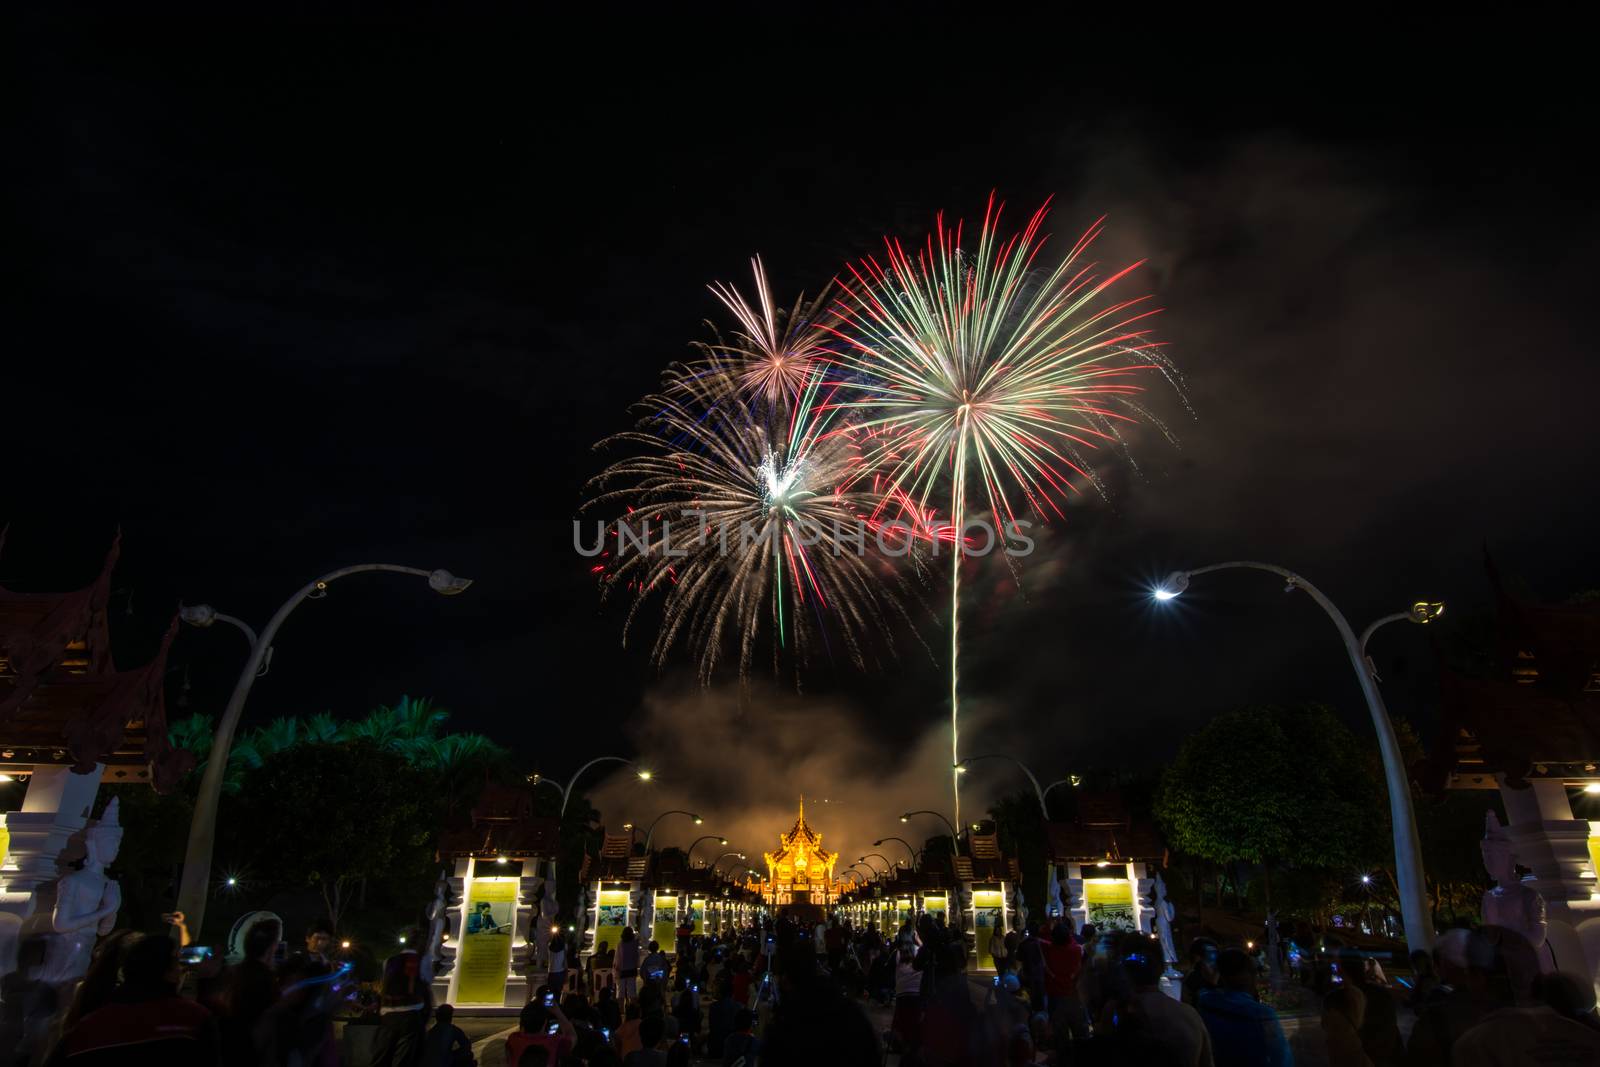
[{"x": 194, "y": 954}]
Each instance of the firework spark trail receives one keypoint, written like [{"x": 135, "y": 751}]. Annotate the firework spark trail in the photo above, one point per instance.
[
  {"x": 952, "y": 362},
  {"x": 775, "y": 520}
]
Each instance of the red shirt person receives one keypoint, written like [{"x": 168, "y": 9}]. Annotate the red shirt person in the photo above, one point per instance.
[{"x": 1063, "y": 960}]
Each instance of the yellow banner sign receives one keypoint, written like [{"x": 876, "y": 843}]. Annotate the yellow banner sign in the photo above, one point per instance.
[
  {"x": 483, "y": 962},
  {"x": 611, "y": 915},
  {"x": 989, "y": 917}
]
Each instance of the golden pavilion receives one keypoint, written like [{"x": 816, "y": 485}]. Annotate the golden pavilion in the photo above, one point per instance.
[{"x": 801, "y": 871}]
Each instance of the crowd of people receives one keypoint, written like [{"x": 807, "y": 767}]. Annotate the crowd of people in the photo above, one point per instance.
[
  {"x": 781, "y": 992},
  {"x": 153, "y": 998}
]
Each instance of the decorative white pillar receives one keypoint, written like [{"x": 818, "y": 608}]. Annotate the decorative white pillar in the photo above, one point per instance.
[
  {"x": 55, "y": 807},
  {"x": 1546, "y": 839}
]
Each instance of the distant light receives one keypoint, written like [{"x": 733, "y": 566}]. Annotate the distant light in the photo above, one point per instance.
[
  {"x": 722, "y": 840},
  {"x": 904, "y": 818},
  {"x": 402, "y": 939},
  {"x": 1249, "y": 944},
  {"x": 960, "y": 769},
  {"x": 1592, "y": 788},
  {"x": 501, "y": 860},
  {"x": 698, "y": 821},
  {"x": 232, "y": 880},
  {"x": 6, "y": 778},
  {"x": 1366, "y": 879},
  {"x": 645, "y": 776},
  {"x": 344, "y": 944},
  {"x": 627, "y": 826},
  {"x": 571, "y": 928},
  {"x": 1103, "y": 863}
]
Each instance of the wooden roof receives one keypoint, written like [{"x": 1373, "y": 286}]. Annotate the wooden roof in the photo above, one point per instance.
[
  {"x": 62, "y": 699},
  {"x": 1534, "y": 712}
]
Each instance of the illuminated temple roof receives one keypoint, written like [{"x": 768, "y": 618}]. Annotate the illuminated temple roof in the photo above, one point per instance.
[{"x": 801, "y": 864}]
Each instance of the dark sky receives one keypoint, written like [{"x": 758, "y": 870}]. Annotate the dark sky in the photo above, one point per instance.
[{"x": 285, "y": 297}]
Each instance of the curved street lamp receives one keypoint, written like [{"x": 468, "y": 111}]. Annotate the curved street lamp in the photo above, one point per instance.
[
  {"x": 689, "y": 852},
  {"x": 671, "y": 811},
  {"x": 872, "y": 873},
  {"x": 1407, "y": 848},
  {"x": 196, "y": 877},
  {"x": 915, "y": 853},
  {"x": 887, "y": 866},
  {"x": 725, "y": 855},
  {"x": 955, "y": 838},
  {"x": 851, "y": 870},
  {"x": 1041, "y": 793},
  {"x": 566, "y": 790}
]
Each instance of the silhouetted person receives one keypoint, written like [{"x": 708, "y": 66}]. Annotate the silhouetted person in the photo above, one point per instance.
[
  {"x": 1244, "y": 1031},
  {"x": 144, "y": 1021}
]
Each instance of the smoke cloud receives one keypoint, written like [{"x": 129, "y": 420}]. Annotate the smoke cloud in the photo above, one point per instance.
[{"x": 744, "y": 769}]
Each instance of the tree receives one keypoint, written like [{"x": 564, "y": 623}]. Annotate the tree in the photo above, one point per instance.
[
  {"x": 1020, "y": 826},
  {"x": 345, "y": 818},
  {"x": 1270, "y": 786}
]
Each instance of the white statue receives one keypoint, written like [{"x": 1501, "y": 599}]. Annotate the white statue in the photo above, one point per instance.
[
  {"x": 1510, "y": 903},
  {"x": 1165, "y": 913},
  {"x": 1053, "y": 904},
  {"x": 87, "y": 903},
  {"x": 436, "y": 920}
]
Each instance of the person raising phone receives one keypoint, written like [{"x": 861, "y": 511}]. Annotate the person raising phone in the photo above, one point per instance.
[{"x": 542, "y": 1026}]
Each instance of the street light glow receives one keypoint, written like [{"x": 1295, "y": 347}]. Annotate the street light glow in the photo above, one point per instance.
[
  {"x": 1592, "y": 788},
  {"x": 1174, "y": 584}
]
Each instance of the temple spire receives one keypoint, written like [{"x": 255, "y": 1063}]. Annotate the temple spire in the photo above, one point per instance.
[{"x": 802, "y": 809}]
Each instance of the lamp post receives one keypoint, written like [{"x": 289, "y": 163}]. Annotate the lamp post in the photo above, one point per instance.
[
  {"x": 566, "y": 792},
  {"x": 851, "y": 870},
  {"x": 915, "y": 853},
  {"x": 1040, "y": 792},
  {"x": 689, "y": 855},
  {"x": 955, "y": 839},
  {"x": 716, "y": 862},
  {"x": 887, "y": 866},
  {"x": 1407, "y": 848},
  {"x": 672, "y": 811},
  {"x": 870, "y": 871},
  {"x": 196, "y": 877}
]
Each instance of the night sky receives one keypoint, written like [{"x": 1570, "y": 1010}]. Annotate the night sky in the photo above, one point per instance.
[{"x": 285, "y": 297}]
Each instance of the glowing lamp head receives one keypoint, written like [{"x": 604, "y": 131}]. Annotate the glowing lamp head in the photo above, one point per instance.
[
  {"x": 960, "y": 769},
  {"x": 1172, "y": 587},
  {"x": 645, "y": 776},
  {"x": 232, "y": 881},
  {"x": 501, "y": 860},
  {"x": 1366, "y": 879},
  {"x": 1425, "y": 611},
  {"x": 402, "y": 939},
  {"x": 698, "y": 821},
  {"x": 905, "y": 818},
  {"x": 722, "y": 840},
  {"x": 1593, "y": 788}
]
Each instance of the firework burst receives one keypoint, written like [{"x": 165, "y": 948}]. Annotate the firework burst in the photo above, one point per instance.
[
  {"x": 740, "y": 529},
  {"x": 774, "y": 354},
  {"x": 961, "y": 366}
]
